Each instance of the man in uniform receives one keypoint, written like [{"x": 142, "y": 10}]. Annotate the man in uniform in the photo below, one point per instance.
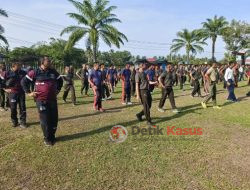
[
  {"x": 167, "y": 89},
  {"x": 211, "y": 77},
  {"x": 95, "y": 80},
  {"x": 16, "y": 94},
  {"x": 230, "y": 81},
  {"x": 48, "y": 84},
  {"x": 132, "y": 80},
  {"x": 151, "y": 77},
  {"x": 83, "y": 75},
  {"x": 181, "y": 75},
  {"x": 112, "y": 76},
  {"x": 2, "y": 86},
  {"x": 143, "y": 93},
  {"x": 69, "y": 84},
  {"x": 195, "y": 76},
  {"x": 126, "y": 86},
  {"x": 105, "y": 88}
]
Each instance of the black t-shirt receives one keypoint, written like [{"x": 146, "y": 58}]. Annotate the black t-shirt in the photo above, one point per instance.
[
  {"x": 141, "y": 78},
  {"x": 84, "y": 74},
  {"x": 196, "y": 75},
  {"x": 69, "y": 78},
  {"x": 132, "y": 76},
  {"x": 168, "y": 78}
]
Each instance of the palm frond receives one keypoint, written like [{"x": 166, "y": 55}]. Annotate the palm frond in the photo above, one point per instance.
[
  {"x": 2, "y": 38},
  {"x": 3, "y": 13},
  {"x": 75, "y": 37}
]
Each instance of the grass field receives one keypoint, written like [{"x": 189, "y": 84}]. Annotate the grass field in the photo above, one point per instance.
[{"x": 84, "y": 157}]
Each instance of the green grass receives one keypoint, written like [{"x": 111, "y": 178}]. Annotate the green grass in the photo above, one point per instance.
[{"x": 84, "y": 157}]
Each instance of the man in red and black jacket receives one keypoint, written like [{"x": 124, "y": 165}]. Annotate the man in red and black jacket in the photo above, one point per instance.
[
  {"x": 15, "y": 93},
  {"x": 48, "y": 84},
  {"x": 3, "y": 104}
]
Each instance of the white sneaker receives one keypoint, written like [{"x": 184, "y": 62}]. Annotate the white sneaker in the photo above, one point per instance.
[
  {"x": 161, "y": 110},
  {"x": 129, "y": 103},
  {"x": 104, "y": 99},
  {"x": 110, "y": 97},
  {"x": 176, "y": 111}
]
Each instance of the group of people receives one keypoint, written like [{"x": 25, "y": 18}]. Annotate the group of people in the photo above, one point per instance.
[{"x": 44, "y": 84}]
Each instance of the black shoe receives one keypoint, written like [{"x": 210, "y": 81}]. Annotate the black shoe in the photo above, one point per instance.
[
  {"x": 48, "y": 143},
  {"x": 139, "y": 117},
  {"x": 53, "y": 141},
  {"x": 15, "y": 124}
]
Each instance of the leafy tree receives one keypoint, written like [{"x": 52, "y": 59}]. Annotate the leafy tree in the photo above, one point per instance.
[
  {"x": 190, "y": 40},
  {"x": 117, "y": 58},
  {"x": 213, "y": 28},
  {"x": 61, "y": 57},
  {"x": 237, "y": 36},
  {"x": 2, "y": 38},
  {"x": 95, "y": 22}
]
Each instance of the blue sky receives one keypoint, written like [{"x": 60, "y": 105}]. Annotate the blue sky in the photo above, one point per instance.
[{"x": 142, "y": 20}]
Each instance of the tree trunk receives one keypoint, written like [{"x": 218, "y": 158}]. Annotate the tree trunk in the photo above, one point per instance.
[
  {"x": 213, "y": 49},
  {"x": 94, "y": 53},
  {"x": 188, "y": 56}
]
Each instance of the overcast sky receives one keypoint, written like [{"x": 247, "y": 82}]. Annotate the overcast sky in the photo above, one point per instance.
[{"x": 142, "y": 20}]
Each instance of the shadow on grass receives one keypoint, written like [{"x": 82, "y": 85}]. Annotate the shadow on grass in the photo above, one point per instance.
[
  {"x": 185, "y": 110},
  {"x": 109, "y": 110}
]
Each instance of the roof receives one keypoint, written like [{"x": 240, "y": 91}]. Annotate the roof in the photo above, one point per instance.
[{"x": 151, "y": 60}]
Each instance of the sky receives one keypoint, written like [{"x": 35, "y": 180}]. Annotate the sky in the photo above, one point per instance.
[{"x": 150, "y": 25}]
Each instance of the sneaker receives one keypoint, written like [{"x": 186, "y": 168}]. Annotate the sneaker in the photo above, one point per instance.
[
  {"x": 103, "y": 99},
  {"x": 176, "y": 111},
  {"x": 139, "y": 117},
  {"x": 217, "y": 107},
  {"x": 161, "y": 110},
  {"x": 15, "y": 124},
  {"x": 204, "y": 105},
  {"x": 48, "y": 143},
  {"x": 129, "y": 103},
  {"x": 2, "y": 109},
  {"x": 150, "y": 124},
  {"x": 102, "y": 110},
  {"x": 109, "y": 98},
  {"x": 23, "y": 125}
]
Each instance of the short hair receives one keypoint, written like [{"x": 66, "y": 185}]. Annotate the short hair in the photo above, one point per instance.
[
  {"x": 13, "y": 64},
  {"x": 231, "y": 62},
  {"x": 43, "y": 58},
  {"x": 96, "y": 64}
]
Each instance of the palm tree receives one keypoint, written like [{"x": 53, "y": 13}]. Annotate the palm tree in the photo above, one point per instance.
[
  {"x": 190, "y": 40},
  {"x": 95, "y": 20},
  {"x": 213, "y": 28},
  {"x": 2, "y": 38}
]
